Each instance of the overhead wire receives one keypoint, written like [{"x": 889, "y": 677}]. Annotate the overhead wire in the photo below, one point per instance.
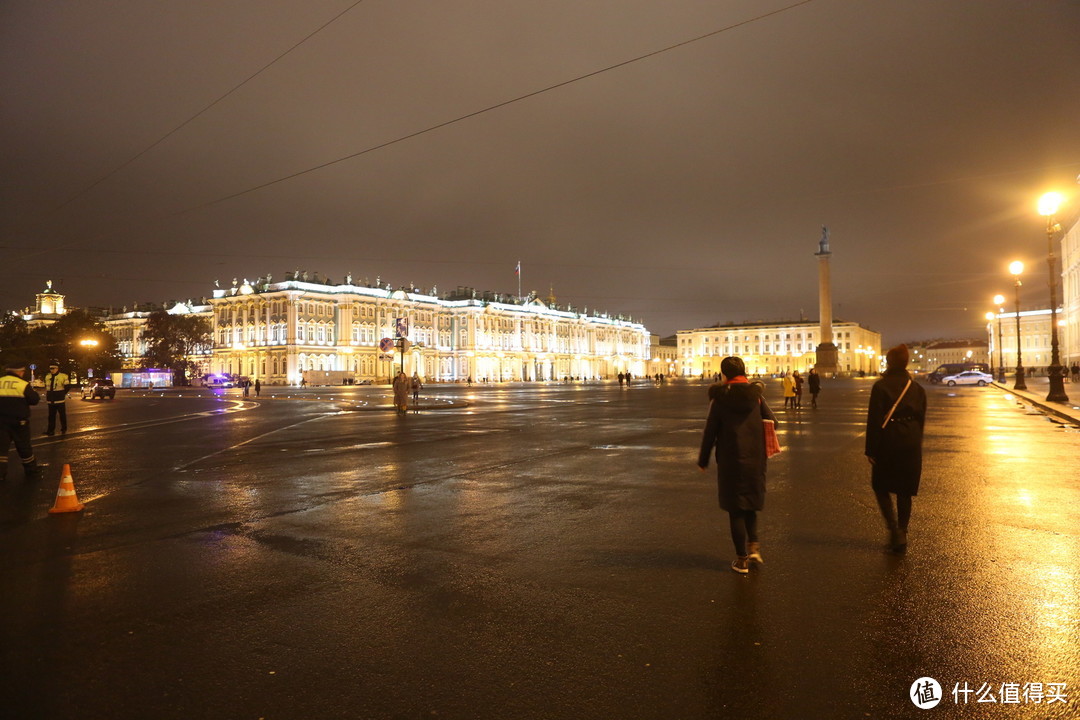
[
  {"x": 407, "y": 136},
  {"x": 491, "y": 108},
  {"x": 194, "y": 117}
]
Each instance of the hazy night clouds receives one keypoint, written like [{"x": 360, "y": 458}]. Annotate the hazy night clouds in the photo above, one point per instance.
[{"x": 685, "y": 188}]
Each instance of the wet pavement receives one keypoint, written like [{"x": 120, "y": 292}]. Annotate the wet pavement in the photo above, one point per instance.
[
  {"x": 1067, "y": 411},
  {"x": 532, "y": 551}
]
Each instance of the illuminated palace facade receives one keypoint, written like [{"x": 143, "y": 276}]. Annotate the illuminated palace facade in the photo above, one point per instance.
[
  {"x": 776, "y": 348},
  {"x": 275, "y": 331}
]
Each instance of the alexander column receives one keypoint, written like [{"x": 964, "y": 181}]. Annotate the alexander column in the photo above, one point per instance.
[{"x": 827, "y": 355}]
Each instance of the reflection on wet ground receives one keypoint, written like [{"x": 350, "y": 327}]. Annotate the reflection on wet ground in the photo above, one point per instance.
[{"x": 535, "y": 552}]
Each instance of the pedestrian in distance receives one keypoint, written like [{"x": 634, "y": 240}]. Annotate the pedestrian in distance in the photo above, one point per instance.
[
  {"x": 416, "y": 386},
  {"x": 258, "y": 387},
  {"x": 813, "y": 383},
  {"x": 735, "y": 430},
  {"x": 798, "y": 380},
  {"x": 246, "y": 384},
  {"x": 622, "y": 379},
  {"x": 401, "y": 387},
  {"x": 16, "y": 398},
  {"x": 789, "y": 390},
  {"x": 1075, "y": 372},
  {"x": 894, "y": 435},
  {"x": 56, "y": 390}
]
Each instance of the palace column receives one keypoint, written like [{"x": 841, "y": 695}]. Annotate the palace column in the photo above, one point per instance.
[{"x": 827, "y": 353}]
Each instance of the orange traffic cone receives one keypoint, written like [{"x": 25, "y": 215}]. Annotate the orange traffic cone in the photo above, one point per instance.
[{"x": 66, "y": 499}]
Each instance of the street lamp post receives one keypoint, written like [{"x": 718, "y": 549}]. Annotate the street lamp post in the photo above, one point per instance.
[
  {"x": 999, "y": 300},
  {"x": 990, "y": 343},
  {"x": 1015, "y": 268},
  {"x": 88, "y": 345},
  {"x": 1048, "y": 206}
]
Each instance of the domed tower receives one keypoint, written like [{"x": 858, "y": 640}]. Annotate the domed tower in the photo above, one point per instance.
[{"x": 48, "y": 308}]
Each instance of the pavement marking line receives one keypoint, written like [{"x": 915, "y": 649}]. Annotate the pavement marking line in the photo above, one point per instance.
[
  {"x": 368, "y": 446},
  {"x": 444, "y": 437},
  {"x": 180, "y": 468},
  {"x": 238, "y": 406}
]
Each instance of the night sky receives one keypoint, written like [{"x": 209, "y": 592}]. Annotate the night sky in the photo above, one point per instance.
[{"x": 672, "y": 160}]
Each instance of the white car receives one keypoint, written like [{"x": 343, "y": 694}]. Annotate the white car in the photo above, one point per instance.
[{"x": 969, "y": 377}]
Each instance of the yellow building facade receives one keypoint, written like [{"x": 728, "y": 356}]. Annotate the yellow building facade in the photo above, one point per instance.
[
  {"x": 278, "y": 331},
  {"x": 1035, "y": 341},
  {"x": 776, "y": 348}
]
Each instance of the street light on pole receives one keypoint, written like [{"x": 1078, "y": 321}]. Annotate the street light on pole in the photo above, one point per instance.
[
  {"x": 1015, "y": 268},
  {"x": 1048, "y": 207},
  {"x": 999, "y": 300},
  {"x": 990, "y": 335},
  {"x": 88, "y": 346}
]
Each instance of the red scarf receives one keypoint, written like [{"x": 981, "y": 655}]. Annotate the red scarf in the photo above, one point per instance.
[{"x": 738, "y": 380}]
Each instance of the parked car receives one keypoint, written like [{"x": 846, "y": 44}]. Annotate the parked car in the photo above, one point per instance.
[
  {"x": 947, "y": 369},
  {"x": 99, "y": 389},
  {"x": 969, "y": 377}
]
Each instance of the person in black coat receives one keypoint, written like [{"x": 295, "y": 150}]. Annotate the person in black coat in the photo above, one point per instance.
[
  {"x": 734, "y": 429},
  {"x": 813, "y": 381},
  {"x": 894, "y": 435}
]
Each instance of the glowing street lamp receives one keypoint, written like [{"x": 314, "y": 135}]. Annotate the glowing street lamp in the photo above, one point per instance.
[
  {"x": 1048, "y": 207},
  {"x": 1015, "y": 268},
  {"x": 88, "y": 345},
  {"x": 999, "y": 300}
]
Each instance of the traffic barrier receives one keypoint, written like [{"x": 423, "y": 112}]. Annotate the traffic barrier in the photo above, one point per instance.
[{"x": 66, "y": 499}]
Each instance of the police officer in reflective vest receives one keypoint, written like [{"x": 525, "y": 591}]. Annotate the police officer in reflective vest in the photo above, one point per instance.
[
  {"x": 16, "y": 397},
  {"x": 56, "y": 389}
]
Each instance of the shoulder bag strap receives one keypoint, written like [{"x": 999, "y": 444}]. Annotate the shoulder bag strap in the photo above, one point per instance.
[{"x": 896, "y": 404}]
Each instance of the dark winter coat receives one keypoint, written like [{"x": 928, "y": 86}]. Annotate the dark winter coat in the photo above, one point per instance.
[
  {"x": 897, "y": 449},
  {"x": 814, "y": 381},
  {"x": 734, "y": 429}
]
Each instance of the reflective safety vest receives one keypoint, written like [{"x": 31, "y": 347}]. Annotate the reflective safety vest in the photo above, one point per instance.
[
  {"x": 16, "y": 397},
  {"x": 56, "y": 387}
]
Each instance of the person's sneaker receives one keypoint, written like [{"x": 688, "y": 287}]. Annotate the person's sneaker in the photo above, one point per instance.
[
  {"x": 754, "y": 555},
  {"x": 741, "y": 564}
]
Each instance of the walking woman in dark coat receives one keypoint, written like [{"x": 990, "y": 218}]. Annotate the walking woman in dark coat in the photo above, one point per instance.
[
  {"x": 894, "y": 435},
  {"x": 813, "y": 381},
  {"x": 734, "y": 428}
]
